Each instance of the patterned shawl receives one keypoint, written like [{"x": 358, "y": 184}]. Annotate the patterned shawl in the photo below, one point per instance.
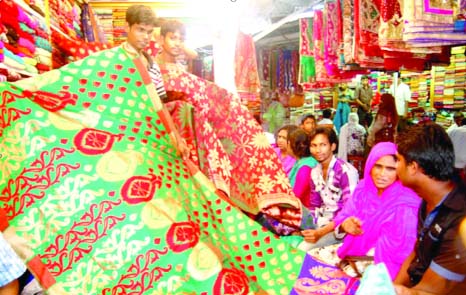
[{"x": 95, "y": 200}]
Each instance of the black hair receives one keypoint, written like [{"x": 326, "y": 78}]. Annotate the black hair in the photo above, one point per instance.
[
  {"x": 289, "y": 128},
  {"x": 327, "y": 113},
  {"x": 299, "y": 142},
  {"x": 140, "y": 14},
  {"x": 307, "y": 116},
  {"x": 328, "y": 132},
  {"x": 428, "y": 145},
  {"x": 172, "y": 26}
]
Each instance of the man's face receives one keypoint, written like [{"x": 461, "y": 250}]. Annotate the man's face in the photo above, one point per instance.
[
  {"x": 402, "y": 169},
  {"x": 172, "y": 43},
  {"x": 458, "y": 119},
  {"x": 365, "y": 82},
  {"x": 139, "y": 35},
  {"x": 321, "y": 149},
  {"x": 308, "y": 125}
]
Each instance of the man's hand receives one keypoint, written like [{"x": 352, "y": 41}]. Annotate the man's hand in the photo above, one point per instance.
[
  {"x": 311, "y": 235},
  {"x": 353, "y": 226},
  {"x": 402, "y": 290},
  {"x": 182, "y": 147}
]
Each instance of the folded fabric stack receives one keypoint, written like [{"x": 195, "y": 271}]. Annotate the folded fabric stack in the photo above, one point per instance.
[
  {"x": 65, "y": 15},
  {"x": 74, "y": 49},
  {"x": 428, "y": 23},
  {"x": 27, "y": 49},
  {"x": 37, "y": 5},
  {"x": 76, "y": 19}
]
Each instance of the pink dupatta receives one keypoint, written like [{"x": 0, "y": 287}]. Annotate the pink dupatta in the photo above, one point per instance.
[{"x": 389, "y": 221}]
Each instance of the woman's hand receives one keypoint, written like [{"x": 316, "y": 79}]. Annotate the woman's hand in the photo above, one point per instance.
[{"x": 353, "y": 226}]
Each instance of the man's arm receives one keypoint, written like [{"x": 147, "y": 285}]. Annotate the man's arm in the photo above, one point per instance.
[
  {"x": 403, "y": 278},
  {"x": 190, "y": 53},
  {"x": 314, "y": 235},
  {"x": 10, "y": 288},
  {"x": 431, "y": 283}
]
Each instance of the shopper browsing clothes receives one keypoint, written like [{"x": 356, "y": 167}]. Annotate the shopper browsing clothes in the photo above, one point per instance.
[
  {"x": 402, "y": 95},
  {"x": 345, "y": 95},
  {"x": 363, "y": 97},
  {"x": 384, "y": 126}
]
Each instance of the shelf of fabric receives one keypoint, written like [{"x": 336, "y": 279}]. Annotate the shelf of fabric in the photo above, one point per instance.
[
  {"x": 21, "y": 72},
  {"x": 105, "y": 17},
  {"x": 39, "y": 17}
]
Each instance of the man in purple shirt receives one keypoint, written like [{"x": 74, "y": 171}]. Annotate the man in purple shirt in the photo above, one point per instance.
[{"x": 333, "y": 182}]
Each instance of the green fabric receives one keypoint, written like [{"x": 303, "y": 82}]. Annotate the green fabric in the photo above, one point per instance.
[
  {"x": 308, "y": 68},
  {"x": 97, "y": 201}
]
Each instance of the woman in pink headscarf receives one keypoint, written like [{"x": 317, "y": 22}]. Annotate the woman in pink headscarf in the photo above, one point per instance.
[{"x": 382, "y": 214}]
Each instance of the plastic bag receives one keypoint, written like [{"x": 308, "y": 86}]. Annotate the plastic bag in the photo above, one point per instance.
[{"x": 376, "y": 280}]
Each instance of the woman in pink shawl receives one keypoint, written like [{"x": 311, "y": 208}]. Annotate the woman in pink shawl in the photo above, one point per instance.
[{"x": 381, "y": 215}]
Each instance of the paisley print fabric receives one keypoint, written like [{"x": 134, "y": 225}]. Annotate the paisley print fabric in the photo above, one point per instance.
[{"x": 95, "y": 199}]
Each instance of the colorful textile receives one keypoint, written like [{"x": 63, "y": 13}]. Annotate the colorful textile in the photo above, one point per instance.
[
  {"x": 368, "y": 52},
  {"x": 234, "y": 151},
  {"x": 307, "y": 68},
  {"x": 381, "y": 217},
  {"x": 431, "y": 23},
  {"x": 285, "y": 69},
  {"x": 77, "y": 49},
  {"x": 341, "y": 115},
  {"x": 333, "y": 39},
  {"x": 343, "y": 108},
  {"x": 246, "y": 75},
  {"x": 348, "y": 31},
  {"x": 95, "y": 200},
  {"x": 321, "y": 71},
  {"x": 328, "y": 278},
  {"x": 86, "y": 23}
]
